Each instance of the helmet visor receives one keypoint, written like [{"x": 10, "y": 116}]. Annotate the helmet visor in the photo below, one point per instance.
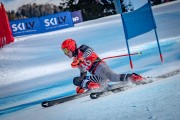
[{"x": 66, "y": 51}]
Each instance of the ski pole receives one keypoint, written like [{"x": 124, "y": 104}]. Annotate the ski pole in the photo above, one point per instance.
[{"x": 137, "y": 53}]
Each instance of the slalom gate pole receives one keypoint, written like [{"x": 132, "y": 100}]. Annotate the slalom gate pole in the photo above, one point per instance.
[
  {"x": 157, "y": 39},
  {"x": 160, "y": 53},
  {"x": 137, "y": 53}
]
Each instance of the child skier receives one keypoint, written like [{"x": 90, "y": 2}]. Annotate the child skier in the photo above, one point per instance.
[{"x": 86, "y": 59}]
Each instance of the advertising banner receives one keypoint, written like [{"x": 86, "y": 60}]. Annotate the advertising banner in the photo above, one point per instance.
[
  {"x": 45, "y": 23},
  {"x": 56, "y": 21},
  {"x": 25, "y": 26},
  {"x": 77, "y": 16}
]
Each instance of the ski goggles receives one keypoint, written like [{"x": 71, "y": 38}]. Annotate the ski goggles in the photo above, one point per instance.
[{"x": 66, "y": 51}]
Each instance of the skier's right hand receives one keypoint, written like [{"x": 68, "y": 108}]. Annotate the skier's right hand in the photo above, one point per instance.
[{"x": 76, "y": 62}]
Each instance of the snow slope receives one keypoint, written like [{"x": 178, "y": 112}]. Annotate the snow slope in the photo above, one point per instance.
[
  {"x": 33, "y": 69},
  {"x": 156, "y": 101}
]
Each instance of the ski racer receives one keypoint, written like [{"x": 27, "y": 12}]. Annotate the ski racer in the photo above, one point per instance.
[{"x": 86, "y": 59}]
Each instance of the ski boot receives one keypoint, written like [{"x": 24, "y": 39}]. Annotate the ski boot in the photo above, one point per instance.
[
  {"x": 135, "y": 77},
  {"x": 93, "y": 85},
  {"x": 86, "y": 86}
]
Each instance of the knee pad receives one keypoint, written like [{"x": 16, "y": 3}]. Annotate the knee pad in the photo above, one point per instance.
[{"x": 77, "y": 81}]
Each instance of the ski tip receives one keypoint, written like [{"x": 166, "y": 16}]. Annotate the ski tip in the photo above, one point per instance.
[{"x": 45, "y": 104}]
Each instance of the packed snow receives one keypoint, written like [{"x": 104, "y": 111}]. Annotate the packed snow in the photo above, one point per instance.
[{"x": 34, "y": 69}]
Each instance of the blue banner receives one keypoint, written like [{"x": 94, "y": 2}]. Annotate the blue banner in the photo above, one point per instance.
[
  {"x": 138, "y": 22},
  {"x": 43, "y": 24},
  {"x": 25, "y": 26},
  {"x": 56, "y": 21}
]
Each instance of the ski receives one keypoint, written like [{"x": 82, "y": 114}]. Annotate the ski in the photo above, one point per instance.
[
  {"x": 57, "y": 101},
  {"x": 95, "y": 95},
  {"x": 50, "y": 103}
]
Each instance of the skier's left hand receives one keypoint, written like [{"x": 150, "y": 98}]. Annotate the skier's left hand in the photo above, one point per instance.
[{"x": 79, "y": 90}]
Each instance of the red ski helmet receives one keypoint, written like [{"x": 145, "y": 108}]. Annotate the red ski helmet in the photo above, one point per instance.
[{"x": 67, "y": 45}]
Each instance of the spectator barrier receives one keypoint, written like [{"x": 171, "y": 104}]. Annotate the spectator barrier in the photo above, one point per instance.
[{"x": 45, "y": 23}]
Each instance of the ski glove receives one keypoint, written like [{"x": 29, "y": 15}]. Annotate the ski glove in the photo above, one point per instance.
[
  {"x": 79, "y": 90},
  {"x": 76, "y": 62}
]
